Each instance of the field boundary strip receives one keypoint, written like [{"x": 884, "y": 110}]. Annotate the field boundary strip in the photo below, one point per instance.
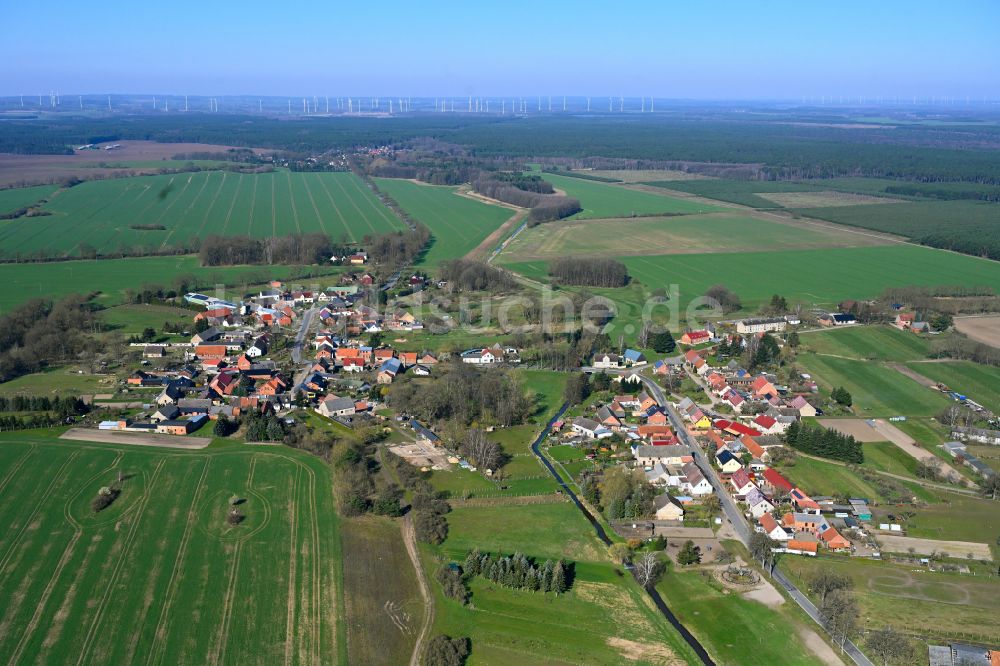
[{"x": 293, "y": 511}]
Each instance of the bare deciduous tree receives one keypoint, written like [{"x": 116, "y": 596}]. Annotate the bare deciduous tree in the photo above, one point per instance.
[
  {"x": 647, "y": 569},
  {"x": 480, "y": 449}
]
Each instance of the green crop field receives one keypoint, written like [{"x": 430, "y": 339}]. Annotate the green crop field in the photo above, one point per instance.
[
  {"x": 878, "y": 390},
  {"x": 883, "y": 343},
  {"x": 820, "y": 277},
  {"x": 673, "y": 235},
  {"x": 111, "y": 277},
  {"x": 458, "y": 224},
  {"x": 979, "y": 382},
  {"x": 22, "y": 197},
  {"x": 160, "y": 576},
  {"x": 925, "y": 603},
  {"x": 59, "y": 381},
  {"x": 600, "y": 200},
  {"x": 100, "y": 213}
]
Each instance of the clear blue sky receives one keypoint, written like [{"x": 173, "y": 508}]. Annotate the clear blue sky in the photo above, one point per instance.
[{"x": 707, "y": 49}]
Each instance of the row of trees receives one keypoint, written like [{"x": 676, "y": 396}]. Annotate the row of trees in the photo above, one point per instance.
[
  {"x": 824, "y": 442},
  {"x": 527, "y": 192},
  {"x": 460, "y": 393},
  {"x": 292, "y": 249},
  {"x": 62, "y": 406},
  {"x": 518, "y": 572},
  {"x": 589, "y": 271}
]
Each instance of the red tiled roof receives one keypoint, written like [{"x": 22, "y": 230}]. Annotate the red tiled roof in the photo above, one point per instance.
[{"x": 776, "y": 480}]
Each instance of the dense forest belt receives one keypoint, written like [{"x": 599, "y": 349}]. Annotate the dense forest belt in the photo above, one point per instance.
[{"x": 790, "y": 149}]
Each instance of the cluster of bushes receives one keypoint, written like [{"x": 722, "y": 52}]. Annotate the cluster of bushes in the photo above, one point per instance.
[
  {"x": 264, "y": 428},
  {"x": 292, "y": 249},
  {"x": 398, "y": 248},
  {"x": 824, "y": 442},
  {"x": 147, "y": 227},
  {"x": 445, "y": 651},
  {"x": 471, "y": 275},
  {"x": 40, "y": 332},
  {"x": 26, "y": 211},
  {"x": 460, "y": 393},
  {"x": 518, "y": 572},
  {"x": 959, "y": 346},
  {"x": 623, "y": 494},
  {"x": 105, "y": 498},
  {"x": 589, "y": 271}
]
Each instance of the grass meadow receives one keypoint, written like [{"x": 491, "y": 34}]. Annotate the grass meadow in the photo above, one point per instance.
[
  {"x": 926, "y": 603},
  {"x": 159, "y": 576},
  {"x": 741, "y": 192},
  {"x": 100, "y": 213},
  {"x": 733, "y": 629},
  {"x": 979, "y": 382},
  {"x": 870, "y": 343},
  {"x": 878, "y": 390},
  {"x": 603, "y": 618},
  {"x": 458, "y": 224},
  {"x": 916, "y": 219},
  {"x": 602, "y": 200}
]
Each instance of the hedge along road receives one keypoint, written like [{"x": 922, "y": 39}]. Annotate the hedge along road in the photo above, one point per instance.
[{"x": 603, "y": 536}]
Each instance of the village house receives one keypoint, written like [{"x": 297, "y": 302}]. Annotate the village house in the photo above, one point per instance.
[
  {"x": 757, "y": 503},
  {"x": 741, "y": 483},
  {"x": 695, "y": 337},
  {"x": 589, "y": 428},
  {"x": 333, "y": 406},
  {"x": 769, "y": 526},
  {"x": 668, "y": 508},
  {"x": 388, "y": 371},
  {"x": 648, "y": 456},
  {"x": 607, "y": 361},
  {"x": 767, "y": 325},
  {"x": 774, "y": 482},
  {"x": 727, "y": 462},
  {"x": 634, "y": 357}
]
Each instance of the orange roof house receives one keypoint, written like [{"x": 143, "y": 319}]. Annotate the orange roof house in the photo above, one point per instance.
[
  {"x": 751, "y": 445},
  {"x": 408, "y": 358},
  {"x": 834, "y": 541},
  {"x": 810, "y": 547},
  {"x": 762, "y": 388},
  {"x": 206, "y": 352}
]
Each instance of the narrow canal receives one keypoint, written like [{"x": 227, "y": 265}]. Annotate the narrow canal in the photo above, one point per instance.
[{"x": 603, "y": 536}]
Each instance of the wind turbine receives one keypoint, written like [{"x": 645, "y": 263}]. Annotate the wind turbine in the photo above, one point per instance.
[
  {"x": 185, "y": 102},
  {"x": 588, "y": 105},
  {"x": 109, "y": 102},
  {"x": 564, "y": 102}
]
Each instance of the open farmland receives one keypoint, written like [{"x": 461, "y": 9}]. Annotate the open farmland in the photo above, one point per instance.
[
  {"x": 821, "y": 277},
  {"x": 642, "y": 175},
  {"x": 743, "y": 192},
  {"x": 160, "y": 576},
  {"x": 600, "y": 200},
  {"x": 878, "y": 390},
  {"x": 458, "y": 224},
  {"x": 22, "y": 197},
  {"x": 979, "y": 382},
  {"x": 883, "y": 343},
  {"x": 967, "y": 226},
  {"x": 688, "y": 234},
  {"x": 100, "y": 214},
  {"x": 823, "y": 199},
  {"x": 112, "y": 277}
]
